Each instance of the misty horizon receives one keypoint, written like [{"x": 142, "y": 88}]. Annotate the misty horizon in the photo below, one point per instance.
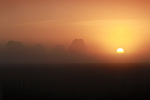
[
  {"x": 77, "y": 52},
  {"x": 104, "y": 25}
]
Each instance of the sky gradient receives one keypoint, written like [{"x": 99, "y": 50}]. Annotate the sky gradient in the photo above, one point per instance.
[{"x": 105, "y": 25}]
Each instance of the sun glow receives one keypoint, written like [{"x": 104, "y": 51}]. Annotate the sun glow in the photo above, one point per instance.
[
  {"x": 120, "y": 50},
  {"x": 118, "y": 33}
]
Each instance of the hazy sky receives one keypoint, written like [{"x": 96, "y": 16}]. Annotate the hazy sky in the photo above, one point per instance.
[{"x": 105, "y": 25}]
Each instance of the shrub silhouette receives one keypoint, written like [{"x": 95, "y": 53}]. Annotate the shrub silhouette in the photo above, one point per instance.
[
  {"x": 78, "y": 46},
  {"x": 15, "y": 47}
]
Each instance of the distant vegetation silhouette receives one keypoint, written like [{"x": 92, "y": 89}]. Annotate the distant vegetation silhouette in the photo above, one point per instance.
[
  {"x": 78, "y": 46},
  {"x": 17, "y": 52}
]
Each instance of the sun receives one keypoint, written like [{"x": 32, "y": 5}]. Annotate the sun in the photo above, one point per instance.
[{"x": 120, "y": 50}]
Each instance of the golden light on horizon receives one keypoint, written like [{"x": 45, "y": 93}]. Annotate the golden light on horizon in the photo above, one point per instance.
[
  {"x": 120, "y": 50},
  {"x": 118, "y": 33}
]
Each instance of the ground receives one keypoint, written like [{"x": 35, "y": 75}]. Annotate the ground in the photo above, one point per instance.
[{"x": 75, "y": 81}]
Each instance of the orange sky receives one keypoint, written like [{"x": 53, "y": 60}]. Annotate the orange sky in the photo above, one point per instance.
[{"x": 105, "y": 25}]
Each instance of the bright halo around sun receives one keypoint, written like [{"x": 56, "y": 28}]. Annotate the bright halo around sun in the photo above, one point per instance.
[{"x": 120, "y": 50}]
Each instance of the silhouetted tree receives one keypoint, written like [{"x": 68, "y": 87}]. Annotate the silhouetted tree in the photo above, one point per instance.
[
  {"x": 10, "y": 44},
  {"x": 14, "y": 46},
  {"x": 78, "y": 46},
  {"x": 37, "y": 48},
  {"x": 14, "y": 51},
  {"x": 37, "y": 53}
]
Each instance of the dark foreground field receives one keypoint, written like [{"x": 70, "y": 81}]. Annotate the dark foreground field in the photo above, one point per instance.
[{"x": 75, "y": 82}]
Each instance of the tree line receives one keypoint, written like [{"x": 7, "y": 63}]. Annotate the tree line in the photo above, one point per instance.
[{"x": 17, "y": 52}]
